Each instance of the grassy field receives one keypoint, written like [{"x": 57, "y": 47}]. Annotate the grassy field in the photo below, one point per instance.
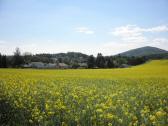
[{"x": 136, "y": 96}]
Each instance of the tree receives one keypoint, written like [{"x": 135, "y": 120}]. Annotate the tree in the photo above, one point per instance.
[
  {"x": 3, "y": 61},
  {"x": 27, "y": 57},
  {"x": 60, "y": 60},
  {"x": 75, "y": 65},
  {"x": 137, "y": 60},
  {"x": 110, "y": 63},
  {"x": 0, "y": 60},
  {"x": 91, "y": 61},
  {"x": 17, "y": 58},
  {"x": 100, "y": 61}
]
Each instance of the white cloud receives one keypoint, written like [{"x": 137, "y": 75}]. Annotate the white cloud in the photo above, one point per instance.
[
  {"x": 127, "y": 31},
  {"x": 162, "y": 28},
  {"x": 119, "y": 46},
  {"x": 132, "y": 36},
  {"x": 134, "y": 33},
  {"x": 134, "y": 30},
  {"x": 84, "y": 30},
  {"x": 160, "y": 42}
]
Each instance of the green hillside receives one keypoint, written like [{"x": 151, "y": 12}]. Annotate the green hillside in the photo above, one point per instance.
[{"x": 144, "y": 51}]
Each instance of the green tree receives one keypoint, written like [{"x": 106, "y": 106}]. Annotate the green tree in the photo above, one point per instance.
[
  {"x": 0, "y": 60},
  {"x": 3, "y": 61},
  {"x": 17, "y": 58},
  {"x": 100, "y": 61},
  {"x": 60, "y": 60},
  {"x": 110, "y": 63},
  {"x": 27, "y": 57},
  {"x": 91, "y": 61}
]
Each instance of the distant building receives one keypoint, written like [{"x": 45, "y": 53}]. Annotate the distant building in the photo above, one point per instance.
[
  {"x": 83, "y": 65},
  {"x": 63, "y": 66},
  {"x": 41, "y": 65},
  {"x": 37, "y": 65},
  {"x": 51, "y": 65},
  {"x": 26, "y": 66}
]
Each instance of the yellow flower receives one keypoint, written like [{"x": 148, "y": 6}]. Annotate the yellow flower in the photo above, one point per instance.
[
  {"x": 100, "y": 115},
  {"x": 120, "y": 120},
  {"x": 63, "y": 107},
  {"x": 142, "y": 124},
  {"x": 160, "y": 113},
  {"x": 63, "y": 124},
  {"x": 152, "y": 118},
  {"x": 50, "y": 113},
  {"x": 109, "y": 124},
  {"x": 109, "y": 116},
  {"x": 99, "y": 110},
  {"x": 83, "y": 111},
  {"x": 134, "y": 118},
  {"x": 46, "y": 106},
  {"x": 30, "y": 121}
]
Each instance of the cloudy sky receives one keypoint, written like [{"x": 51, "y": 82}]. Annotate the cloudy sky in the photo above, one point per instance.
[{"x": 88, "y": 26}]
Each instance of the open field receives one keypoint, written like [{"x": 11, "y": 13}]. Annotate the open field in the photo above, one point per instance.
[{"x": 87, "y": 97}]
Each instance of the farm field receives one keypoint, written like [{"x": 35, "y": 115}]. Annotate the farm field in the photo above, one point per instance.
[{"x": 136, "y": 96}]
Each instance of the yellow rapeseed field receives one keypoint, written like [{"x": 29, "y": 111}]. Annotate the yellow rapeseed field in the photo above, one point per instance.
[{"x": 136, "y": 96}]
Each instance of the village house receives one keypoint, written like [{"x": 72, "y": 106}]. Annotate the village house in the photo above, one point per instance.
[
  {"x": 83, "y": 65},
  {"x": 37, "y": 65},
  {"x": 41, "y": 65},
  {"x": 63, "y": 66}
]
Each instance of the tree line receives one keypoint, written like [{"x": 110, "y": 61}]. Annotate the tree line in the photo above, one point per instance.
[
  {"x": 11, "y": 61},
  {"x": 3, "y": 61},
  {"x": 113, "y": 61},
  {"x": 71, "y": 58}
]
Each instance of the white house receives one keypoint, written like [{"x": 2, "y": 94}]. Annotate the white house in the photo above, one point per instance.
[
  {"x": 37, "y": 65},
  {"x": 63, "y": 66}
]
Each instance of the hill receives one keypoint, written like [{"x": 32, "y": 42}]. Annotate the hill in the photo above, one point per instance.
[
  {"x": 66, "y": 57},
  {"x": 144, "y": 51}
]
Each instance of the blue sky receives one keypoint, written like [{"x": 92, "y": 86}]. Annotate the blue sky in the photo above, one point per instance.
[{"x": 88, "y": 26}]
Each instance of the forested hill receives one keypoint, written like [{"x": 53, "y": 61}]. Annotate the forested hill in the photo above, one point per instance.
[
  {"x": 144, "y": 51},
  {"x": 69, "y": 57}
]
